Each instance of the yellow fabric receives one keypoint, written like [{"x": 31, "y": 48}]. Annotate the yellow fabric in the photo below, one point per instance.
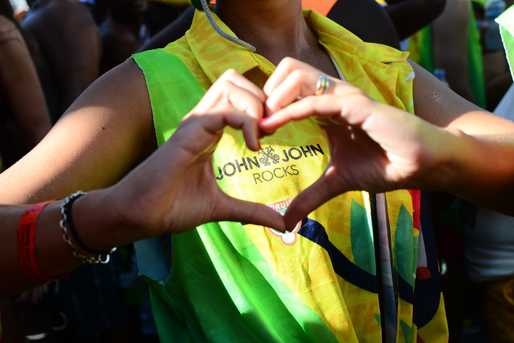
[{"x": 383, "y": 73}]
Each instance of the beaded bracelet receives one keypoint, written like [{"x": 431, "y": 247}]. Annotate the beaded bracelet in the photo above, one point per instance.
[{"x": 71, "y": 237}]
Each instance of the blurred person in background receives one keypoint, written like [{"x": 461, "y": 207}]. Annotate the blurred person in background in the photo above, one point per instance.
[
  {"x": 453, "y": 33},
  {"x": 458, "y": 61},
  {"x": 489, "y": 257},
  {"x": 410, "y": 16},
  {"x": 69, "y": 48},
  {"x": 121, "y": 31},
  {"x": 24, "y": 118},
  {"x": 69, "y": 42},
  {"x": 161, "y": 13},
  {"x": 496, "y": 70},
  {"x": 99, "y": 9}
]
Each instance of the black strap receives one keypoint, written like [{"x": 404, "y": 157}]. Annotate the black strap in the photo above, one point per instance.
[{"x": 386, "y": 275}]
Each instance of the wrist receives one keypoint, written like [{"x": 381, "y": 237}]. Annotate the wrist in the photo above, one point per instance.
[
  {"x": 54, "y": 256},
  {"x": 100, "y": 221},
  {"x": 129, "y": 212},
  {"x": 448, "y": 149}
]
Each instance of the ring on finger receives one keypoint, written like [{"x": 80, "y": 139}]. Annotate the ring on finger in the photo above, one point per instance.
[{"x": 323, "y": 85}]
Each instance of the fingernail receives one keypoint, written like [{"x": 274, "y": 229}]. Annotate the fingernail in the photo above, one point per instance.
[{"x": 264, "y": 121}]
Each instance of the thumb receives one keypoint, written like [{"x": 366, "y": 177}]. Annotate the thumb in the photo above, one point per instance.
[
  {"x": 246, "y": 212},
  {"x": 309, "y": 200}
]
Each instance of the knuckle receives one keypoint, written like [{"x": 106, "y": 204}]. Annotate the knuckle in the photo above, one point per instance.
[
  {"x": 288, "y": 63},
  {"x": 253, "y": 110},
  {"x": 225, "y": 87},
  {"x": 231, "y": 72},
  {"x": 225, "y": 84},
  {"x": 298, "y": 75}
]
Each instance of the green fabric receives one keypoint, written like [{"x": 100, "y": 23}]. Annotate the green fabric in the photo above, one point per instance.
[
  {"x": 408, "y": 332},
  {"x": 220, "y": 288},
  {"x": 476, "y": 62},
  {"x": 482, "y": 3},
  {"x": 362, "y": 240},
  {"x": 426, "y": 56},
  {"x": 506, "y": 22},
  {"x": 404, "y": 243},
  {"x": 171, "y": 89}
]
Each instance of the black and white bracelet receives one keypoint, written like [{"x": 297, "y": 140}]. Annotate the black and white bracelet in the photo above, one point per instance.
[{"x": 71, "y": 237}]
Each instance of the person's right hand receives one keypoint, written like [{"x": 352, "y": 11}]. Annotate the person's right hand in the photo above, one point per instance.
[
  {"x": 374, "y": 147},
  {"x": 175, "y": 188}
]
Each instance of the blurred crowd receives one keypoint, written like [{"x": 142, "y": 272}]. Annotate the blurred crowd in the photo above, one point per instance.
[{"x": 52, "y": 50}]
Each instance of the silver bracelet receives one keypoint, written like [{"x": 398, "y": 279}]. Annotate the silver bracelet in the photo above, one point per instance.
[{"x": 71, "y": 237}]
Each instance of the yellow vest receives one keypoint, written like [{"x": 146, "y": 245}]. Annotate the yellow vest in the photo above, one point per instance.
[{"x": 331, "y": 279}]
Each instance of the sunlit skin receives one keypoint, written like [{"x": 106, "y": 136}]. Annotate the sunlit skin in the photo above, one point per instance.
[
  {"x": 108, "y": 130},
  {"x": 171, "y": 191},
  {"x": 386, "y": 148}
]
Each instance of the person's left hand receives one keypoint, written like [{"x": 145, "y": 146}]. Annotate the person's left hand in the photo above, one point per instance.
[
  {"x": 374, "y": 147},
  {"x": 175, "y": 189}
]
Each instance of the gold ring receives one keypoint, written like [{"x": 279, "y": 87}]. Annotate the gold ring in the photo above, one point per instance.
[{"x": 323, "y": 85}]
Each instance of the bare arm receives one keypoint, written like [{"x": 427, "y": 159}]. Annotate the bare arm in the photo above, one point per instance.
[
  {"x": 103, "y": 134},
  {"x": 439, "y": 105},
  {"x": 20, "y": 85},
  {"x": 171, "y": 191},
  {"x": 54, "y": 256},
  {"x": 480, "y": 150}
]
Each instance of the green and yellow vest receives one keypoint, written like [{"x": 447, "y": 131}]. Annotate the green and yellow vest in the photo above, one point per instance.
[{"x": 230, "y": 282}]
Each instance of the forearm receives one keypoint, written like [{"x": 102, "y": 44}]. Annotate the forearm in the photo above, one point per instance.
[
  {"x": 479, "y": 169},
  {"x": 95, "y": 220}
]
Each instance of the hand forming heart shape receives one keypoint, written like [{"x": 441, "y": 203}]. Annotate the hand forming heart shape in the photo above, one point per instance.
[{"x": 374, "y": 147}]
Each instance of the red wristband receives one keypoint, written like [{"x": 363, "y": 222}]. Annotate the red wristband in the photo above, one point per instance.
[{"x": 27, "y": 243}]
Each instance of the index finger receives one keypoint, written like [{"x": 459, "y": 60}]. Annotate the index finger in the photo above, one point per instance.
[
  {"x": 242, "y": 82},
  {"x": 284, "y": 68},
  {"x": 326, "y": 106}
]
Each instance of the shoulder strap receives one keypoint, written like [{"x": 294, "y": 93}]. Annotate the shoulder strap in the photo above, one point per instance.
[{"x": 172, "y": 88}]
